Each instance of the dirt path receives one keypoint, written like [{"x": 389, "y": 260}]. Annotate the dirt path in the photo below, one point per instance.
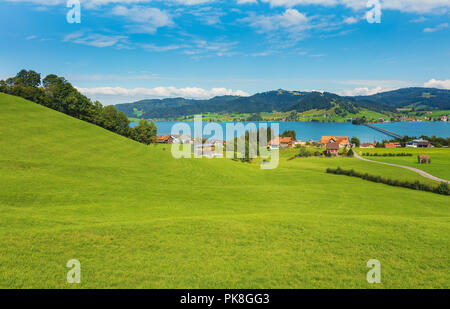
[{"x": 420, "y": 172}]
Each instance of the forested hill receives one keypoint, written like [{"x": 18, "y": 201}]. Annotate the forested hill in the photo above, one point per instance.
[
  {"x": 418, "y": 98},
  {"x": 279, "y": 100},
  {"x": 284, "y": 101}
]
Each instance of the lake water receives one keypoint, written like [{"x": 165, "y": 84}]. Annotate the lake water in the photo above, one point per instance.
[{"x": 315, "y": 130}]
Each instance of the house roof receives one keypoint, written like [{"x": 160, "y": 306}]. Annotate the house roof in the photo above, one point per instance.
[
  {"x": 368, "y": 144},
  {"x": 392, "y": 145},
  {"x": 281, "y": 140},
  {"x": 337, "y": 139},
  {"x": 332, "y": 146},
  {"x": 285, "y": 140},
  {"x": 162, "y": 138}
]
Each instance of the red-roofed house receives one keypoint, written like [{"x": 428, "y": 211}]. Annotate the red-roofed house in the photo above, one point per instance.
[
  {"x": 343, "y": 141},
  {"x": 281, "y": 142},
  {"x": 333, "y": 149},
  {"x": 164, "y": 139},
  {"x": 392, "y": 145}
]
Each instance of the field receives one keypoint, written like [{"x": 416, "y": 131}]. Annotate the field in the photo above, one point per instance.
[
  {"x": 137, "y": 218},
  {"x": 440, "y": 161}
]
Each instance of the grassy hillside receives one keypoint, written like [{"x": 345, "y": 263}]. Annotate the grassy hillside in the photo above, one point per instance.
[
  {"x": 137, "y": 218},
  {"x": 440, "y": 160}
]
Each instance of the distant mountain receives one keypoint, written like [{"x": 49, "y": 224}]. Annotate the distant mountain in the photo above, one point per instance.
[
  {"x": 418, "y": 98},
  {"x": 284, "y": 101}
]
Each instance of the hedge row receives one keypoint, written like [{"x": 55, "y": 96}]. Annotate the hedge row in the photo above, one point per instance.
[
  {"x": 402, "y": 154},
  {"x": 443, "y": 188}
]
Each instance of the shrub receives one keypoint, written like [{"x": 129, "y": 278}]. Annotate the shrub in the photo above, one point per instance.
[
  {"x": 443, "y": 188},
  {"x": 386, "y": 154}
]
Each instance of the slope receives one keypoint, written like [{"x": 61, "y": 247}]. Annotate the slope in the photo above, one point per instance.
[{"x": 135, "y": 217}]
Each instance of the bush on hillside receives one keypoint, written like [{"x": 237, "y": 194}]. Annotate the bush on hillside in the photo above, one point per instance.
[{"x": 443, "y": 188}]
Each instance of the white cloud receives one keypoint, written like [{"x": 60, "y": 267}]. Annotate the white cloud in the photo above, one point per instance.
[
  {"x": 161, "y": 92},
  {"x": 148, "y": 19},
  {"x": 414, "y": 6},
  {"x": 437, "y": 28},
  {"x": 364, "y": 91},
  {"x": 96, "y": 39},
  {"x": 350, "y": 20},
  {"x": 157, "y": 48},
  {"x": 246, "y": 1},
  {"x": 420, "y": 19},
  {"x": 434, "y": 83},
  {"x": 95, "y": 4},
  {"x": 291, "y": 20}
]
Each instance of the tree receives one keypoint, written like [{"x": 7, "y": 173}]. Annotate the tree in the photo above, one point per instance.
[
  {"x": 255, "y": 117},
  {"x": 51, "y": 79},
  {"x": 28, "y": 78},
  {"x": 293, "y": 116},
  {"x": 145, "y": 132},
  {"x": 355, "y": 141},
  {"x": 290, "y": 133}
]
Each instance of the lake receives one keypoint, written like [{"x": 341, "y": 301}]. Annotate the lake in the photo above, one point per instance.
[{"x": 315, "y": 130}]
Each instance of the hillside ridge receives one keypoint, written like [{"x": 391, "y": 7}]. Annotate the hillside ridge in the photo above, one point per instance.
[{"x": 285, "y": 101}]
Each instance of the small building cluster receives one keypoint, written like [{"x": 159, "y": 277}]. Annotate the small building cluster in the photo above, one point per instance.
[{"x": 419, "y": 143}]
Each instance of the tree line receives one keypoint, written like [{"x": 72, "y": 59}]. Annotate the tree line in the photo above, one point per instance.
[
  {"x": 436, "y": 141},
  {"x": 57, "y": 93},
  {"x": 443, "y": 188}
]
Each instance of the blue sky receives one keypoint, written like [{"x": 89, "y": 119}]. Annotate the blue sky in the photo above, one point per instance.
[{"x": 125, "y": 50}]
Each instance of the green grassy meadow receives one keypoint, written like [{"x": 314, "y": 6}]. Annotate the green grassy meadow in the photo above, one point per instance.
[
  {"x": 137, "y": 218},
  {"x": 440, "y": 159}
]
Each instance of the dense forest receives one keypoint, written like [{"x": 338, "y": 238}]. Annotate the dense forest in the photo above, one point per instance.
[
  {"x": 57, "y": 93},
  {"x": 285, "y": 101}
]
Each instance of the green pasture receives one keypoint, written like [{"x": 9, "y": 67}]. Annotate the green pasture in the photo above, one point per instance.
[{"x": 135, "y": 217}]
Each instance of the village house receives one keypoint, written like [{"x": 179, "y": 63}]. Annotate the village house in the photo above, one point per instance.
[
  {"x": 343, "y": 141},
  {"x": 392, "y": 145},
  {"x": 208, "y": 150},
  {"x": 217, "y": 143},
  {"x": 332, "y": 148},
  {"x": 299, "y": 143},
  {"x": 368, "y": 145},
  {"x": 164, "y": 139},
  {"x": 181, "y": 139},
  {"x": 419, "y": 143},
  {"x": 422, "y": 159},
  {"x": 281, "y": 142}
]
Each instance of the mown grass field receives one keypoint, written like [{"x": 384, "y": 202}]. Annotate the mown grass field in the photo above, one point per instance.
[
  {"x": 137, "y": 218},
  {"x": 440, "y": 159}
]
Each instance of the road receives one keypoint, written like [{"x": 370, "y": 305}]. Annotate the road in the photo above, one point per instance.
[{"x": 420, "y": 172}]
